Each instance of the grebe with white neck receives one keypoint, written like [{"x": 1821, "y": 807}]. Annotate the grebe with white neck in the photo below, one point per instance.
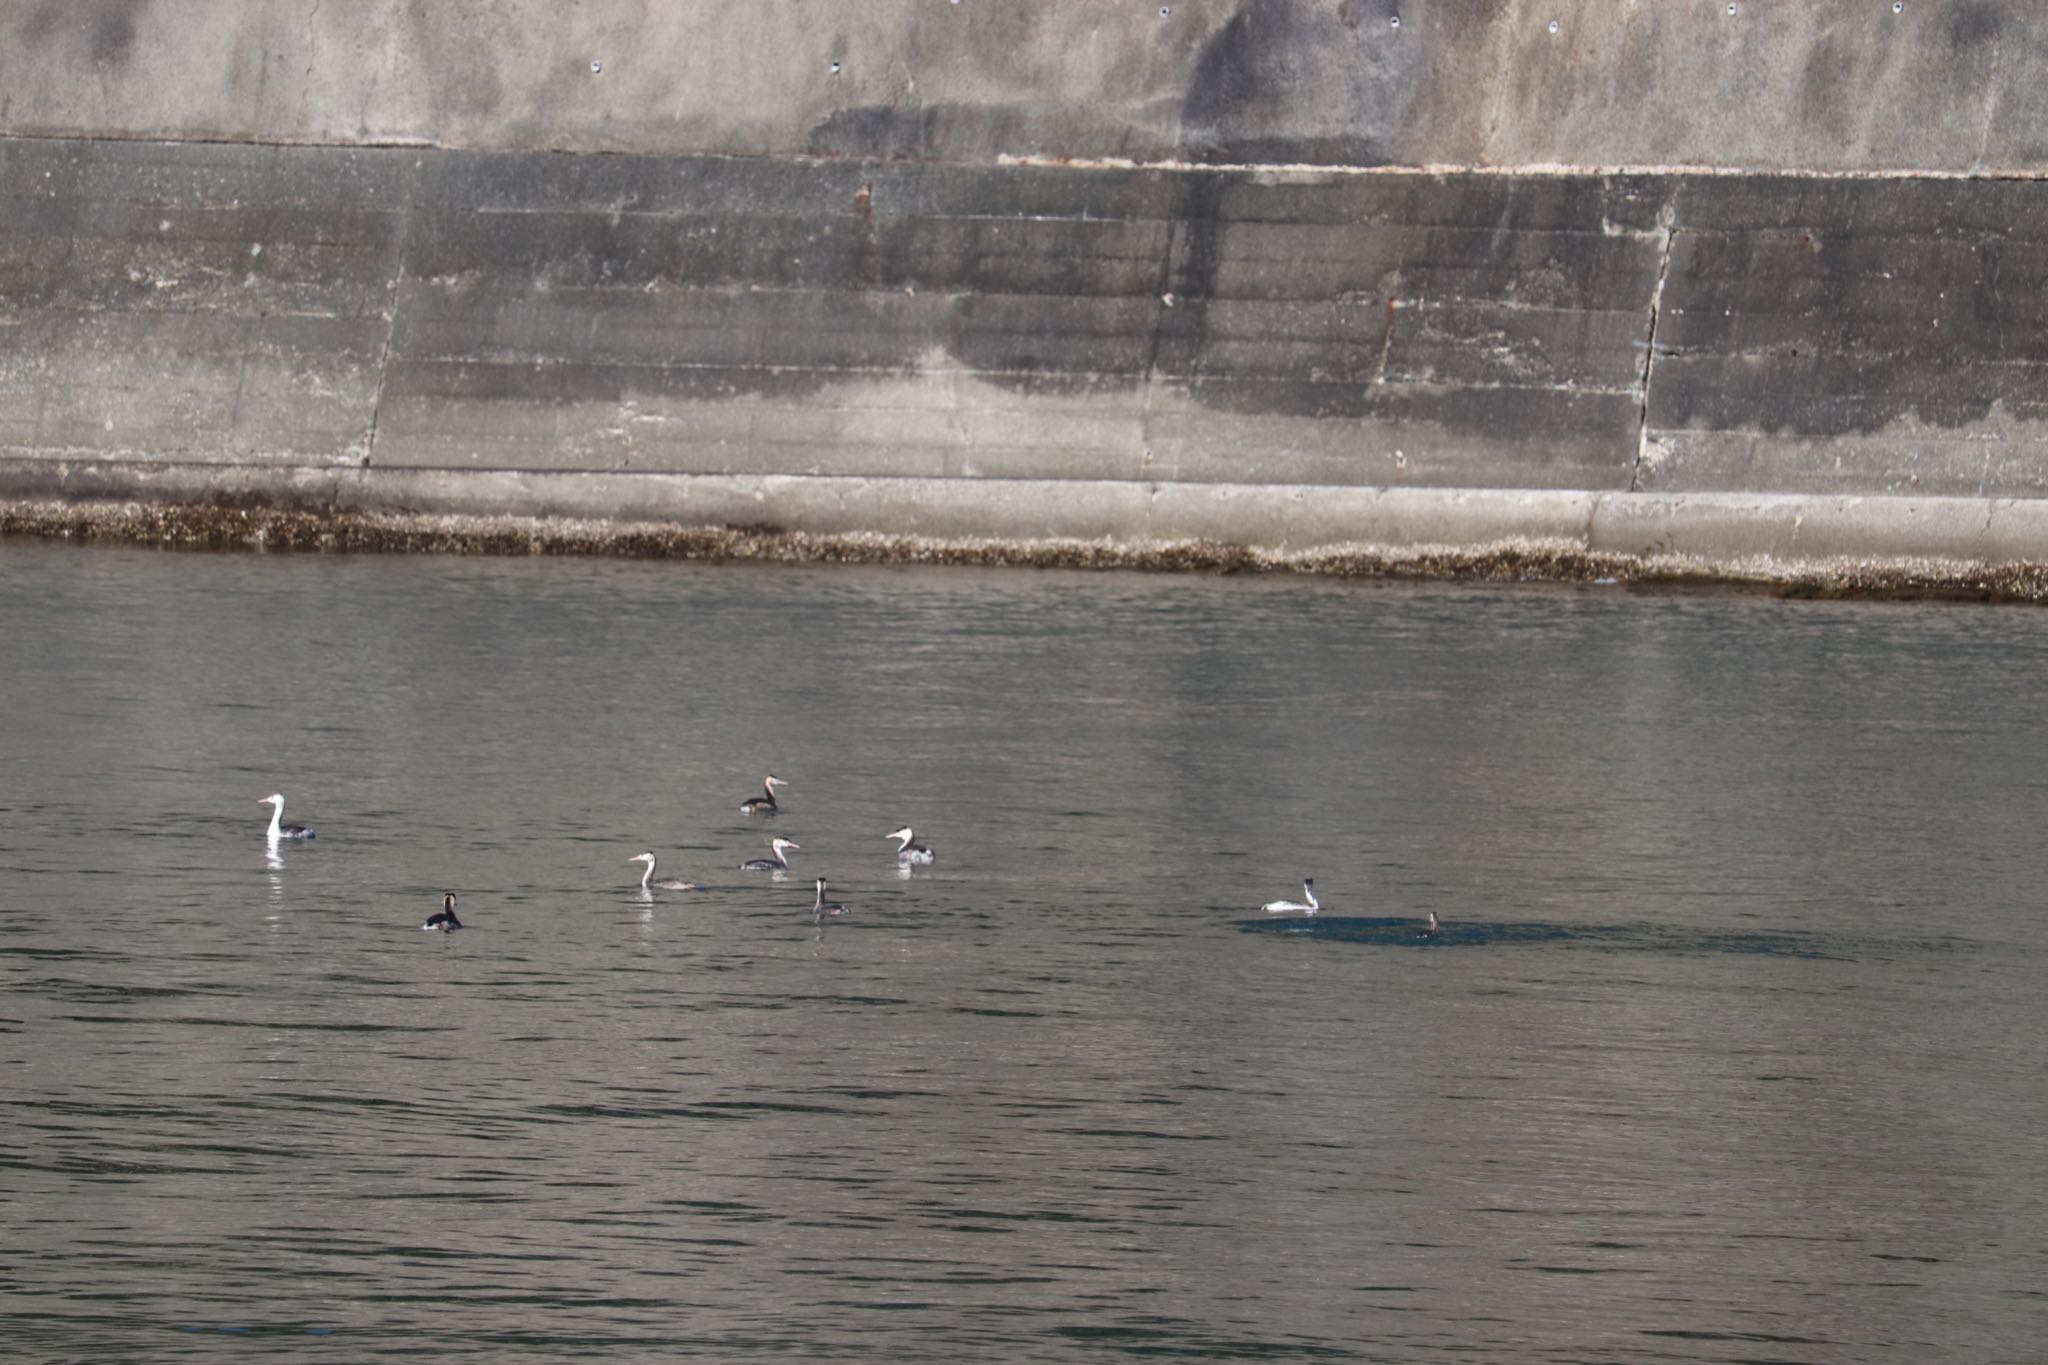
[
  {"x": 1433, "y": 929},
  {"x": 907, "y": 850},
  {"x": 444, "y": 920},
  {"x": 822, "y": 909},
  {"x": 666, "y": 883},
  {"x": 1307, "y": 906},
  {"x": 775, "y": 863},
  {"x": 764, "y": 805},
  {"x": 278, "y": 828}
]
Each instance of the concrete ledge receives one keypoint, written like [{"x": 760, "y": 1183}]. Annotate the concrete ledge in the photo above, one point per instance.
[
  {"x": 1736, "y": 536},
  {"x": 1795, "y": 527}
]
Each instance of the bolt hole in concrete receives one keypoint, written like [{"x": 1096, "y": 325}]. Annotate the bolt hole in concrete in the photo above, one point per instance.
[
  {"x": 1553, "y": 25},
  {"x": 1394, "y": 22},
  {"x": 835, "y": 68},
  {"x": 596, "y": 67}
]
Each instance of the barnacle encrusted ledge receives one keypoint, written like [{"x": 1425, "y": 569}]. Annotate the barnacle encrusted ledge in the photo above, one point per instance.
[{"x": 221, "y": 525}]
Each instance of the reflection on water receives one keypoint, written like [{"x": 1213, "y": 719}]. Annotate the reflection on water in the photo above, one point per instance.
[{"x": 1730, "y": 1044}]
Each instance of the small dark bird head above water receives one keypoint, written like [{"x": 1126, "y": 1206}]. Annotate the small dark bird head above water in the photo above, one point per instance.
[
  {"x": 764, "y": 805},
  {"x": 776, "y": 863},
  {"x": 823, "y": 909},
  {"x": 444, "y": 920},
  {"x": 278, "y": 828}
]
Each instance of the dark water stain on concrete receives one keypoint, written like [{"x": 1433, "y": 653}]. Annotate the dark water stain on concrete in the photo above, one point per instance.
[
  {"x": 1973, "y": 24},
  {"x": 113, "y": 31},
  {"x": 107, "y": 27},
  {"x": 886, "y": 132},
  {"x": 1289, "y": 83}
]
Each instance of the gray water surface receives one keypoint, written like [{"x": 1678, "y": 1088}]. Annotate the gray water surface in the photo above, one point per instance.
[{"x": 1731, "y": 1048}]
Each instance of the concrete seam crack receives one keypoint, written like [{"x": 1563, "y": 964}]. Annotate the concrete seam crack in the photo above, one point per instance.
[
  {"x": 411, "y": 207},
  {"x": 1666, "y": 221}
]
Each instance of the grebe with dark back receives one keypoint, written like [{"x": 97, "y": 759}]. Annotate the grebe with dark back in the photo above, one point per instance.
[{"x": 776, "y": 862}]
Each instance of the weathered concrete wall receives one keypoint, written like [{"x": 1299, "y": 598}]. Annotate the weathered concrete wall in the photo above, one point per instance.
[
  {"x": 908, "y": 281},
  {"x": 1867, "y": 336},
  {"x": 405, "y": 308},
  {"x": 1827, "y": 85}
]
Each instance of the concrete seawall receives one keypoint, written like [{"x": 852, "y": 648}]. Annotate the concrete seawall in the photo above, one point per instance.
[{"x": 906, "y": 309}]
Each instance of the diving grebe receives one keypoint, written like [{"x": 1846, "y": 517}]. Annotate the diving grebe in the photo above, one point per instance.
[
  {"x": 666, "y": 883},
  {"x": 777, "y": 863},
  {"x": 1308, "y": 891},
  {"x": 824, "y": 909},
  {"x": 908, "y": 852},
  {"x": 445, "y": 919},
  {"x": 763, "y": 805},
  {"x": 278, "y": 828}
]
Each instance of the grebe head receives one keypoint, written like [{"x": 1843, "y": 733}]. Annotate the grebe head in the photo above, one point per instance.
[
  {"x": 647, "y": 858},
  {"x": 771, "y": 782},
  {"x": 274, "y": 799},
  {"x": 822, "y": 908},
  {"x": 780, "y": 844},
  {"x": 903, "y": 834},
  {"x": 448, "y": 901}
]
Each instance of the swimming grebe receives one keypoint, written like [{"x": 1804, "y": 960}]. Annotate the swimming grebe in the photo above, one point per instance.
[
  {"x": 445, "y": 919},
  {"x": 666, "y": 883},
  {"x": 278, "y": 828},
  {"x": 908, "y": 852},
  {"x": 777, "y": 863},
  {"x": 823, "y": 909},
  {"x": 764, "y": 805},
  {"x": 1431, "y": 931},
  {"x": 1308, "y": 890}
]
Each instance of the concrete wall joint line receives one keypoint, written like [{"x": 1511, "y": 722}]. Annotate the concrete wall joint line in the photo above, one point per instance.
[
  {"x": 1589, "y": 533},
  {"x": 1667, "y": 226},
  {"x": 1148, "y": 387},
  {"x": 409, "y": 209}
]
